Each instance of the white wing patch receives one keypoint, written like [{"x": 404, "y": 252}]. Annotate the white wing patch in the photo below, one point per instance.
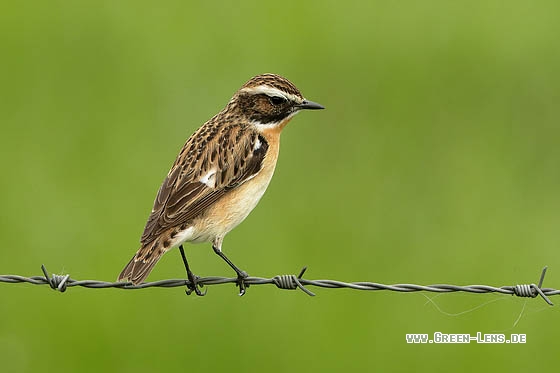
[{"x": 209, "y": 179}]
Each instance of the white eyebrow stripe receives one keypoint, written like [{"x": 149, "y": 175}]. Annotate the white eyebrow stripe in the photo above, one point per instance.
[{"x": 271, "y": 91}]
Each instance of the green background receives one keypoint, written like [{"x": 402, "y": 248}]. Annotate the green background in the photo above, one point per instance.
[{"x": 436, "y": 161}]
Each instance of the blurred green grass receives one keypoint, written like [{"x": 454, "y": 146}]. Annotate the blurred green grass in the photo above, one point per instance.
[{"x": 435, "y": 161}]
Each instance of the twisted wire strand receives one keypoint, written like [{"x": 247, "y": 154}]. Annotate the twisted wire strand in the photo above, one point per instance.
[{"x": 290, "y": 282}]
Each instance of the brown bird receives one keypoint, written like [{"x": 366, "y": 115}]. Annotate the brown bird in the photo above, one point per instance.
[{"x": 219, "y": 176}]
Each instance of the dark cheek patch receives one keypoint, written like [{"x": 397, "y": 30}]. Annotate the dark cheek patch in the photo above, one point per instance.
[
  {"x": 259, "y": 109},
  {"x": 267, "y": 113}
]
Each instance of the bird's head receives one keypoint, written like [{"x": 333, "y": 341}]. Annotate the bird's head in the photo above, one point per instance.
[{"x": 270, "y": 101}]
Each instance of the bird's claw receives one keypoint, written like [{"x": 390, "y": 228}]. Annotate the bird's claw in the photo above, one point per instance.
[
  {"x": 193, "y": 285},
  {"x": 241, "y": 276}
]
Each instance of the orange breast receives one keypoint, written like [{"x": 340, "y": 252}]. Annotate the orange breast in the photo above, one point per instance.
[{"x": 233, "y": 208}]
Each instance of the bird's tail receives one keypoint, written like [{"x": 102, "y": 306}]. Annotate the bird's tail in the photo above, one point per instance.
[{"x": 141, "y": 264}]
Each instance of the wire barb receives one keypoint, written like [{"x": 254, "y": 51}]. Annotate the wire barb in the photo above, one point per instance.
[
  {"x": 290, "y": 282},
  {"x": 57, "y": 282},
  {"x": 532, "y": 290}
]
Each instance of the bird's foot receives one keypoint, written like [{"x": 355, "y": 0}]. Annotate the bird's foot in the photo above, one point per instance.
[
  {"x": 241, "y": 276},
  {"x": 194, "y": 285}
]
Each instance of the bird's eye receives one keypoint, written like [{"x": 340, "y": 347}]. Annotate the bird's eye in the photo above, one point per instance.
[{"x": 277, "y": 100}]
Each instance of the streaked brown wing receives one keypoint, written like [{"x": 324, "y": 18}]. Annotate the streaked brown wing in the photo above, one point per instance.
[{"x": 182, "y": 196}]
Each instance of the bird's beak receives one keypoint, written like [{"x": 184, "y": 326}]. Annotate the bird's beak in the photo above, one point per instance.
[{"x": 310, "y": 105}]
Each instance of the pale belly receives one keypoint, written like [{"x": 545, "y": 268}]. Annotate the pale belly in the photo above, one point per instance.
[
  {"x": 231, "y": 210},
  {"x": 228, "y": 212}
]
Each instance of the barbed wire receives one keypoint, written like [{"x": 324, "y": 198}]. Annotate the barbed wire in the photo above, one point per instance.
[{"x": 290, "y": 282}]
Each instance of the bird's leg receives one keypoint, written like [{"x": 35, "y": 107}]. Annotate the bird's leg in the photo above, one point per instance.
[
  {"x": 193, "y": 279},
  {"x": 241, "y": 275}
]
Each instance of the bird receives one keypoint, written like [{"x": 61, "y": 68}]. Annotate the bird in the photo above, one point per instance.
[{"x": 219, "y": 176}]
